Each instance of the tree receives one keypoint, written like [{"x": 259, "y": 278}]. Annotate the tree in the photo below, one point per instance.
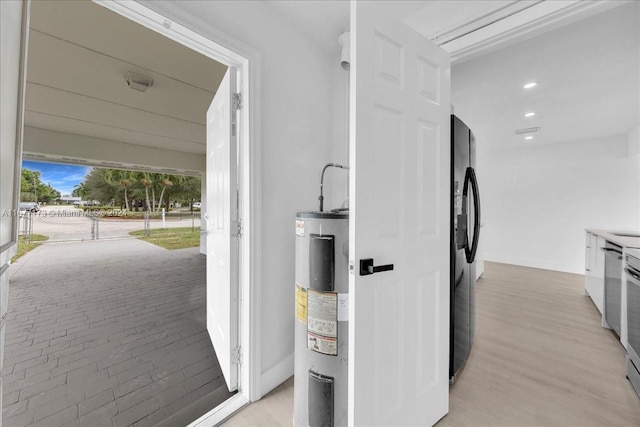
[
  {"x": 113, "y": 184},
  {"x": 32, "y": 189},
  {"x": 99, "y": 187},
  {"x": 81, "y": 190},
  {"x": 146, "y": 182},
  {"x": 124, "y": 179},
  {"x": 165, "y": 183},
  {"x": 53, "y": 195},
  {"x": 187, "y": 189}
]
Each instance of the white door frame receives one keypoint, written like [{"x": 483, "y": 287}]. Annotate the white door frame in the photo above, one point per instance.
[{"x": 175, "y": 24}]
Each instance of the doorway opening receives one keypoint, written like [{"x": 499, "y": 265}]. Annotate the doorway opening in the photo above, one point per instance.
[
  {"x": 119, "y": 330},
  {"x": 135, "y": 147},
  {"x": 64, "y": 202}
]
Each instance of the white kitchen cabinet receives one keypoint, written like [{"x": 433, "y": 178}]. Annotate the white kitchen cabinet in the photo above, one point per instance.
[{"x": 594, "y": 269}]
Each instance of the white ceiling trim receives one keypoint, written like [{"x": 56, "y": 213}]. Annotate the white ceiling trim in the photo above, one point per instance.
[
  {"x": 146, "y": 14},
  {"x": 502, "y": 11},
  {"x": 53, "y": 158},
  {"x": 526, "y": 23}
]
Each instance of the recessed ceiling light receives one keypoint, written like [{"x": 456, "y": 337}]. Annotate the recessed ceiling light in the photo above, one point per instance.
[
  {"x": 528, "y": 138},
  {"x": 530, "y": 85},
  {"x": 528, "y": 130},
  {"x": 530, "y": 114}
]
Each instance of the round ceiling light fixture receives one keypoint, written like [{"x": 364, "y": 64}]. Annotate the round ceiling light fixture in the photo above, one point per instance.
[{"x": 137, "y": 81}]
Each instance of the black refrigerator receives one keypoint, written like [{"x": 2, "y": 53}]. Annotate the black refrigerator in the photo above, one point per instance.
[{"x": 465, "y": 235}]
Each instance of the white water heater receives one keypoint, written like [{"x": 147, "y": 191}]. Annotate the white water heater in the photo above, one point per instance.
[{"x": 321, "y": 314}]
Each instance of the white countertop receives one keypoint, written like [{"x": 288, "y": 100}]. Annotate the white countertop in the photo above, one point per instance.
[{"x": 631, "y": 239}]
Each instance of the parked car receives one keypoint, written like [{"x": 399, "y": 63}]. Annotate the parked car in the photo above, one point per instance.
[
  {"x": 197, "y": 205},
  {"x": 29, "y": 207}
]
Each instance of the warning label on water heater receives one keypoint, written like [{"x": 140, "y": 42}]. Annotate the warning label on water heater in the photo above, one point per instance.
[
  {"x": 301, "y": 303},
  {"x": 322, "y": 344},
  {"x": 322, "y": 321}
]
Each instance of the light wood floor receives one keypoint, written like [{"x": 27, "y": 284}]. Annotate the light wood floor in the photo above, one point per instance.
[{"x": 540, "y": 358}]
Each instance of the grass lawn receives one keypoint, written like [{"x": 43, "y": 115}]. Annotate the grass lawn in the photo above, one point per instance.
[
  {"x": 171, "y": 238},
  {"x": 24, "y": 247}
]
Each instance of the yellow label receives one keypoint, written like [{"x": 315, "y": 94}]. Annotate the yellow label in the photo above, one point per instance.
[{"x": 301, "y": 303}]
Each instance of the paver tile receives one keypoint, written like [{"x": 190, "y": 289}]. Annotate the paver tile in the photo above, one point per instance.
[
  {"x": 72, "y": 398},
  {"x": 131, "y": 385},
  {"x": 123, "y": 342},
  {"x": 59, "y": 418},
  {"x": 96, "y": 401},
  {"x": 99, "y": 417},
  {"x": 133, "y": 414}
]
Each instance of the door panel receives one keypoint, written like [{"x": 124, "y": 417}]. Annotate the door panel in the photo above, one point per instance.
[
  {"x": 222, "y": 241},
  {"x": 399, "y": 191},
  {"x": 14, "y": 23},
  {"x": 14, "y": 20}
]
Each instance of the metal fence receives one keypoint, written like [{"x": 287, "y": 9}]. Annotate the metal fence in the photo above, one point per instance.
[
  {"x": 26, "y": 226},
  {"x": 67, "y": 223}
]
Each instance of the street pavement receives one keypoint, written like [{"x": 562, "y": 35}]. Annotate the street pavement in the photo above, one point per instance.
[
  {"x": 64, "y": 223},
  {"x": 109, "y": 332}
]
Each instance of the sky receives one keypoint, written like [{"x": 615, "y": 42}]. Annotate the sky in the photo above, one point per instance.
[{"x": 61, "y": 177}]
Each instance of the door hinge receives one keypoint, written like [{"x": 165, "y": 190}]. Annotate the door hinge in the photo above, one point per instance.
[
  {"x": 236, "y": 356},
  {"x": 237, "y": 101},
  {"x": 236, "y": 228}
]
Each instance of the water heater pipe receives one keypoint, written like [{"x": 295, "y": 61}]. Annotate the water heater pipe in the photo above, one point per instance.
[
  {"x": 335, "y": 165},
  {"x": 345, "y": 54}
]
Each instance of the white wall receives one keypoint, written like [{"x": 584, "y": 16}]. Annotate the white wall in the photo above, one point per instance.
[
  {"x": 537, "y": 200},
  {"x": 296, "y": 141},
  {"x": 337, "y": 180}
]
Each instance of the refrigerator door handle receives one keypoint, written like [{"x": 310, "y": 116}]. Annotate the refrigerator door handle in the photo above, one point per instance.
[{"x": 470, "y": 177}]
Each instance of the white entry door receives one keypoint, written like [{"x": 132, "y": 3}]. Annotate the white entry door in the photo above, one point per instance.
[
  {"x": 221, "y": 228},
  {"x": 399, "y": 191},
  {"x": 14, "y": 19}
]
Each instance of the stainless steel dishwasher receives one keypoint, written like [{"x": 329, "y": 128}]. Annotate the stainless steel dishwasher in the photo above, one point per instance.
[
  {"x": 633, "y": 321},
  {"x": 612, "y": 285}
]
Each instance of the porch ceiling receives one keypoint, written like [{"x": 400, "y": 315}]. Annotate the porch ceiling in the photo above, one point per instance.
[{"x": 79, "y": 54}]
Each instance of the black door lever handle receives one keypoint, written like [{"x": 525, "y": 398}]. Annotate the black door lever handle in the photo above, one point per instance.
[{"x": 367, "y": 267}]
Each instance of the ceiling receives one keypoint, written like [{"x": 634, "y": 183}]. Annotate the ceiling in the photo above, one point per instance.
[
  {"x": 588, "y": 75},
  {"x": 583, "y": 54},
  {"x": 79, "y": 54},
  {"x": 588, "y": 71}
]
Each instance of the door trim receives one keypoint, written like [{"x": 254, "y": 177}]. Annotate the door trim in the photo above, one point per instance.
[
  {"x": 172, "y": 22},
  {"x": 222, "y": 412},
  {"x": 10, "y": 247}
]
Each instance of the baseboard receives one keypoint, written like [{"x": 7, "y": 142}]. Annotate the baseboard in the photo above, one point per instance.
[
  {"x": 275, "y": 376},
  {"x": 534, "y": 263}
]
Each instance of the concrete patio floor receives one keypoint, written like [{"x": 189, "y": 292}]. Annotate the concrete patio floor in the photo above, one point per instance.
[{"x": 107, "y": 333}]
